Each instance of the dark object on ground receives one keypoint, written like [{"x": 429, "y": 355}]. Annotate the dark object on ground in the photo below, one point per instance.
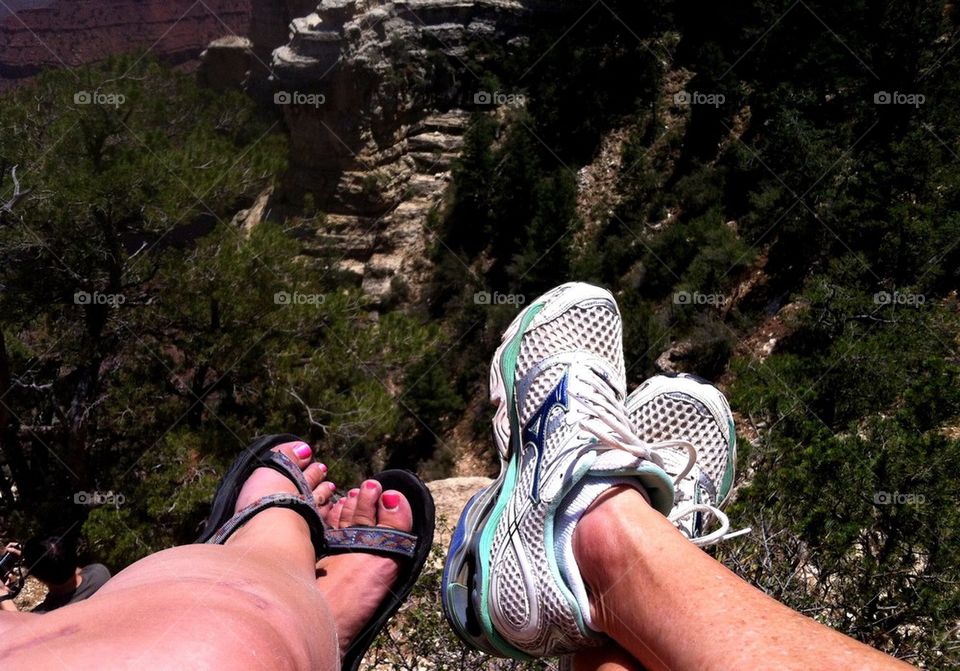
[{"x": 92, "y": 578}]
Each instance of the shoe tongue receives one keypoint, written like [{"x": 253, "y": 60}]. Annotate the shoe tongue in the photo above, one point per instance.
[
  {"x": 656, "y": 485},
  {"x": 614, "y": 461},
  {"x": 675, "y": 460},
  {"x": 606, "y": 371}
]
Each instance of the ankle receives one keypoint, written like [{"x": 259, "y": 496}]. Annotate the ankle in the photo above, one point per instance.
[{"x": 608, "y": 543}]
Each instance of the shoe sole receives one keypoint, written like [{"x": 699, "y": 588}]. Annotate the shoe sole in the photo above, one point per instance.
[{"x": 467, "y": 566}]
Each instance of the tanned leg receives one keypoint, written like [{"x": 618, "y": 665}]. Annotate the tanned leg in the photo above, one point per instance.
[{"x": 672, "y": 606}]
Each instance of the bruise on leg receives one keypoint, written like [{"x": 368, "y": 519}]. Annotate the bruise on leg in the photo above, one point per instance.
[
  {"x": 68, "y": 630},
  {"x": 239, "y": 587}
]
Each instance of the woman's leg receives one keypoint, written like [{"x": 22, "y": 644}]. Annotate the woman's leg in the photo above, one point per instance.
[
  {"x": 674, "y": 607},
  {"x": 9, "y": 619},
  {"x": 255, "y": 602}
]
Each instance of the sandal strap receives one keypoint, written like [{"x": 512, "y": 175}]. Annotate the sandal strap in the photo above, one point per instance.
[
  {"x": 307, "y": 509},
  {"x": 303, "y": 503},
  {"x": 282, "y": 464},
  {"x": 377, "y": 540}
]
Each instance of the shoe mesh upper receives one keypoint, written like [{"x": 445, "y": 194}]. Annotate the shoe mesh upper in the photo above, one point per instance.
[
  {"x": 593, "y": 329},
  {"x": 514, "y": 602},
  {"x": 678, "y": 415}
]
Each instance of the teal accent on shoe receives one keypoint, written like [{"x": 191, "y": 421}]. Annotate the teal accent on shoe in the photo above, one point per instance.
[
  {"x": 727, "y": 482},
  {"x": 507, "y": 370},
  {"x": 511, "y": 353},
  {"x": 486, "y": 541},
  {"x": 655, "y": 481},
  {"x": 551, "y": 550}
]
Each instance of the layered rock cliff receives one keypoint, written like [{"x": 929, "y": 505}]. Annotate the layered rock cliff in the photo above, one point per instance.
[
  {"x": 376, "y": 97},
  {"x": 11, "y": 6}
]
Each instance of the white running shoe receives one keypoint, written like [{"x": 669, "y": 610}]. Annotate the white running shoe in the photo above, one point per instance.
[
  {"x": 689, "y": 408},
  {"x": 511, "y": 586}
]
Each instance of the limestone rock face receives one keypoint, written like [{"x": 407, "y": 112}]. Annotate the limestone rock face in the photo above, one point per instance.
[
  {"x": 270, "y": 23},
  {"x": 375, "y": 103}
]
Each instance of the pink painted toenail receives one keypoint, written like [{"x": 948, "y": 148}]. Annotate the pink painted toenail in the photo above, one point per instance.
[
  {"x": 354, "y": 492},
  {"x": 391, "y": 501},
  {"x": 330, "y": 485},
  {"x": 302, "y": 450},
  {"x": 323, "y": 467},
  {"x": 370, "y": 484}
]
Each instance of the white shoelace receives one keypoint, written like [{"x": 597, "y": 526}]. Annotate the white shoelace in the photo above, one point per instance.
[
  {"x": 607, "y": 421},
  {"x": 714, "y": 537},
  {"x": 723, "y": 533}
]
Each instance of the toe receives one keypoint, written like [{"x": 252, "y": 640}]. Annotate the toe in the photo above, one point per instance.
[
  {"x": 314, "y": 474},
  {"x": 394, "y": 511},
  {"x": 332, "y": 512},
  {"x": 323, "y": 493},
  {"x": 325, "y": 510},
  {"x": 366, "y": 511},
  {"x": 349, "y": 507},
  {"x": 298, "y": 452}
]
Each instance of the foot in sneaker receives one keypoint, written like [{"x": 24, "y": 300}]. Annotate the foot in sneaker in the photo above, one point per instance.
[
  {"x": 689, "y": 408},
  {"x": 511, "y": 586}
]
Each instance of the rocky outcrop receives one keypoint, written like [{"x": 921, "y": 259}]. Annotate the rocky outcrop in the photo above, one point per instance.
[
  {"x": 451, "y": 496},
  {"x": 226, "y": 63},
  {"x": 376, "y": 221},
  {"x": 61, "y": 33},
  {"x": 246, "y": 220},
  {"x": 270, "y": 24},
  {"x": 376, "y": 105},
  {"x": 13, "y": 6}
]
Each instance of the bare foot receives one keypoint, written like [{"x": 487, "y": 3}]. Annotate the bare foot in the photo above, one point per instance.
[
  {"x": 355, "y": 584},
  {"x": 265, "y": 481}
]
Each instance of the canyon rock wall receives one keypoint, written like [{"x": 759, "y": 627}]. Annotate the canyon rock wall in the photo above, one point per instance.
[{"x": 377, "y": 96}]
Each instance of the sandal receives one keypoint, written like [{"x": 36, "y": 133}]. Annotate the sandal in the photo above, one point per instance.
[
  {"x": 223, "y": 523},
  {"x": 412, "y": 547}
]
